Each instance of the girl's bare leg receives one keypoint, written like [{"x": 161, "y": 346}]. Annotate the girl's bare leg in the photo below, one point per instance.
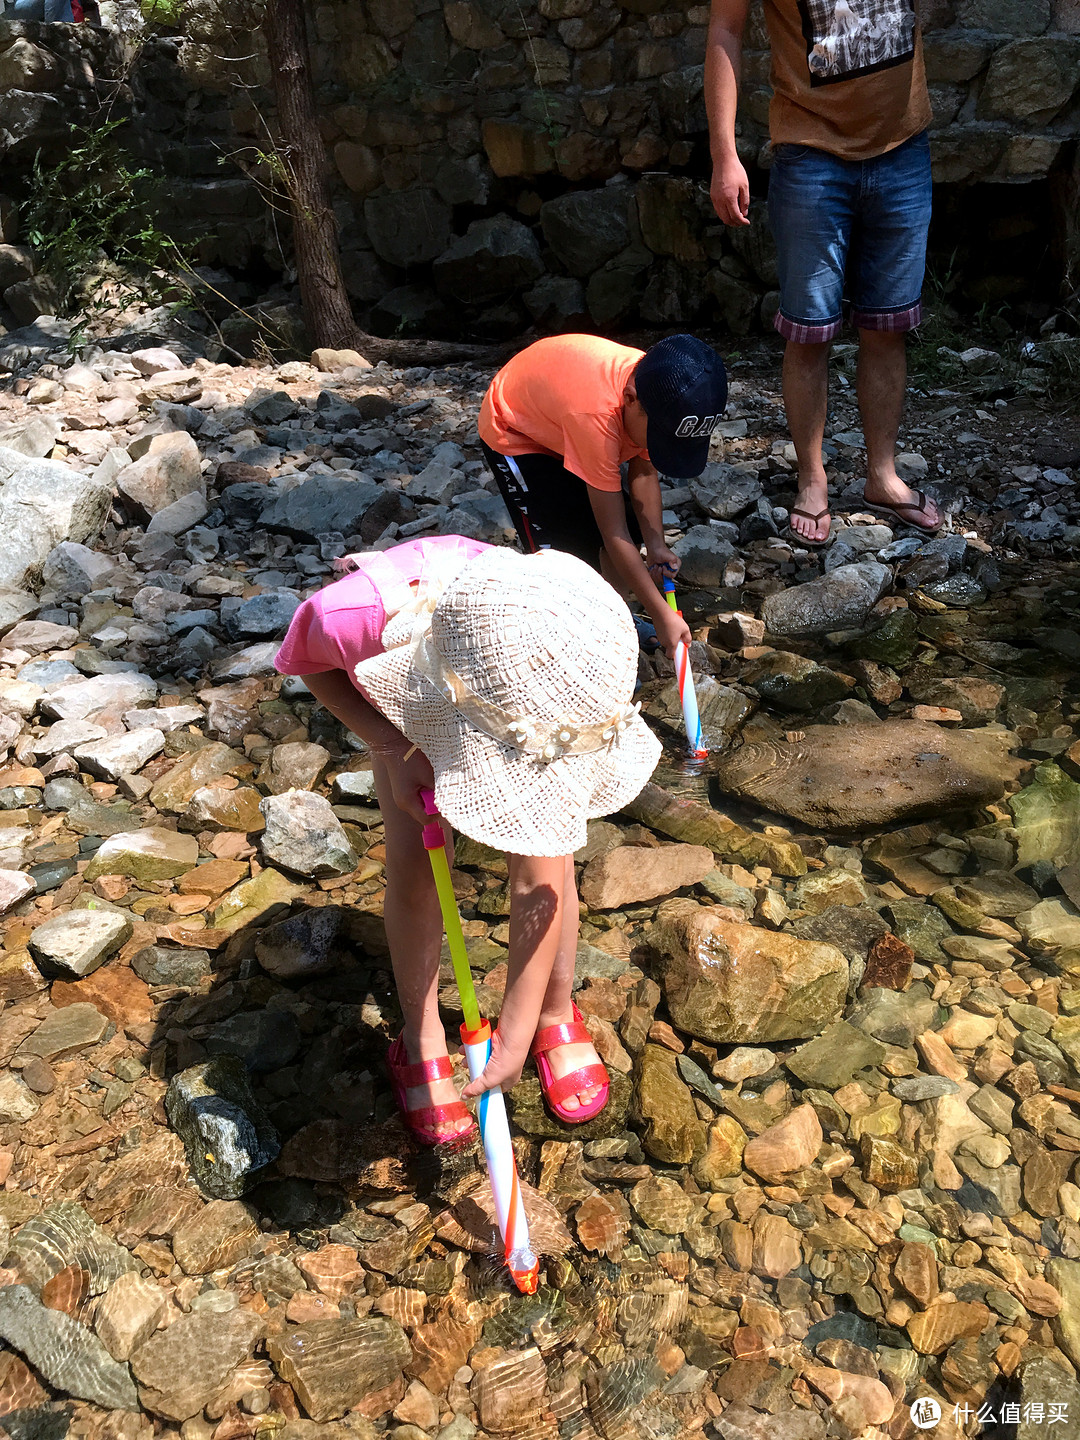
[
  {"x": 414, "y": 932},
  {"x": 557, "y": 1007}
]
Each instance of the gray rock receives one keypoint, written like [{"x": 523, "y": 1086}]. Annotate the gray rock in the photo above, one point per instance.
[
  {"x": 995, "y": 1107},
  {"x": 63, "y": 792},
  {"x": 65, "y": 1032},
  {"x": 704, "y": 554},
  {"x": 180, "y": 1369},
  {"x": 320, "y": 505},
  {"x": 492, "y": 259},
  {"x": 999, "y": 1187},
  {"x": 16, "y": 262},
  {"x": 42, "y": 503},
  {"x": 64, "y": 1352},
  {"x": 557, "y": 303},
  {"x": 855, "y": 777},
  {"x": 169, "y": 470},
  {"x": 835, "y": 1057},
  {"x": 34, "y": 436},
  {"x": 586, "y": 228},
  {"x": 74, "y": 569},
  {"x": 957, "y": 591},
  {"x": 725, "y": 493},
  {"x": 262, "y": 1039},
  {"x": 74, "y": 944},
  {"x": 181, "y": 515},
  {"x": 305, "y": 945},
  {"x": 794, "y": 682},
  {"x": 1006, "y": 17},
  {"x": 160, "y": 965},
  {"x": 1044, "y": 1383},
  {"x": 407, "y": 227},
  {"x": 84, "y": 698},
  {"x": 923, "y": 1087},
  {"x": 895, "y": 1017},
  {"x": 63, "y": 1234},
  {"x": 122, "y": 754},
  {"x": 227, "y": 1135},
  {"x": 33, "y": 342},
  {"x": 303, "y": 834},
  {"x": 1030, "y": 80},
  {"x": 839, "y": 601},
  {"x": 271, "y": 408},
  {"x": 355, "y": 786},
  {"x": 17, "y": 1102},
  {"x": 437, "y": 483},
  {"x": 262, "y": 615}
]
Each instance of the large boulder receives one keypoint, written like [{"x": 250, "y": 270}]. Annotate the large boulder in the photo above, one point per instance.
[
  {"x": 704, "y": 553},
  {"x": 1030, "y": 80},
  {"x": 493, "y": 258},
  {"x": 856, "y": 777},
  {"x": 734, "y": 984},
  {"x": 42, "y": 503},
  {"x": 586, "y": 228},
  {"x": 171, "y": 469},
  {"x": 407, "y": 227},
  {"x": 318, "y": 506},
  {"x": 840, "y": 600}
]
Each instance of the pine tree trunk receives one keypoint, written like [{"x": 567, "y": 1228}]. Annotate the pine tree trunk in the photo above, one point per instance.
[
  {"x": 318, "y": 265},
  {"x": 325, "y": 300}
]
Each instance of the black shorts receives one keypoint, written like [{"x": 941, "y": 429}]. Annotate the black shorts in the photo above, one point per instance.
[{"x": 550, "y": 507}]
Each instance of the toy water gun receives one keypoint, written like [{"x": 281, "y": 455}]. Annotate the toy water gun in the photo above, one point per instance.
[
  {"x": 523, "y": 1265},
  {"x": 687, "y": 693}
]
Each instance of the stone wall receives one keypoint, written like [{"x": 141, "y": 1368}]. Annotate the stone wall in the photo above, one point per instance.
[{"x": 499, "y": 163}]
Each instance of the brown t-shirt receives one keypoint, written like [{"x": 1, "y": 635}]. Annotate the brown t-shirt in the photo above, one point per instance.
[{"x": 847, "y": 75}]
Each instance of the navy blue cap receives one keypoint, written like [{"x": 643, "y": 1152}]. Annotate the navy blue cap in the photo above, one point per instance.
[{"x": 682, "y": 386}]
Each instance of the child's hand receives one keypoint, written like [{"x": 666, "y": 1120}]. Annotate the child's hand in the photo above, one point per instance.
[
  {"x": 408, "y": 776},
  {"x": 503, "y": 1070},
  {"x": 662, "y": 561},
  {"x": 671, "y": 630}
]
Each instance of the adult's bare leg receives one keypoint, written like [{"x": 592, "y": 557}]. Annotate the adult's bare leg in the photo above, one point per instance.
[
  {"x": 881, "y": 386},
  {"x": 806, "y": 401}
]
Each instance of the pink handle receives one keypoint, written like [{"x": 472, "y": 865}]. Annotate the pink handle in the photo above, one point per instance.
[{"x": 434, "y": 839}]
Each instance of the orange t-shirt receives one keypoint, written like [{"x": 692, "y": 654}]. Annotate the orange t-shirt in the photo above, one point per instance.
[
  {"x": 563, "y": 396},
  {"x": 847, "y": 75}
]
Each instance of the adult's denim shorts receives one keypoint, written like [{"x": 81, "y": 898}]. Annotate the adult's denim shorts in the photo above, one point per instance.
[{"x": 849, "y": 231}]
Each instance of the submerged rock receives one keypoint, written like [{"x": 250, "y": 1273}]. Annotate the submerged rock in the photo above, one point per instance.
[
  {"x": 738, "y": 984},
  {"x": 701, "y": 825},
  {"x": 630, "y": 874},
  {"x": 856, "y": 777},
  {"x": 64, "y": 1352}
]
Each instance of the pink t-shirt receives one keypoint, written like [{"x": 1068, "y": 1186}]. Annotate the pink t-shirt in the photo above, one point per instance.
[{"x": 343, "y": 624}]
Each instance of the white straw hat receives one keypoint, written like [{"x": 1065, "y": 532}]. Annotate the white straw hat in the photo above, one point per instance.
[{"x": 516, "y": 682}]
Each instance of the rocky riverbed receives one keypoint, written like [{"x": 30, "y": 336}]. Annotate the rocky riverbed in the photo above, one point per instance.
[{"x": 834, "y": 973}]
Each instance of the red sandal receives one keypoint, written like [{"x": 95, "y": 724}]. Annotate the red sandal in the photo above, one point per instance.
[
  {"x": 556, "y": 1091},
  {"x": 404, "y": 1075}
]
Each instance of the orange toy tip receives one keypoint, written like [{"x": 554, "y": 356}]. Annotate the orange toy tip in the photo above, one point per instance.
[{"x": 527, "y": 1280}]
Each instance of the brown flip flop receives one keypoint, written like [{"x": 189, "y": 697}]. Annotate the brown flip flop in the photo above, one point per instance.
[
  {"x": 884, "y": 508},
  {"x": 801, "y": 539}
]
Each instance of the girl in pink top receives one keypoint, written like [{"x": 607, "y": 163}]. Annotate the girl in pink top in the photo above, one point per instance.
[{"x": 512, "y": 675}]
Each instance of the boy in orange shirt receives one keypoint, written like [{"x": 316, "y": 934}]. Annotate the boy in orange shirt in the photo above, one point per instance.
[{"x": 561, "y": 418}]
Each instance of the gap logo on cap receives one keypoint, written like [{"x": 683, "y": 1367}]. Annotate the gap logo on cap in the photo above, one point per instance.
[{"x": 691, "y": 425}]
